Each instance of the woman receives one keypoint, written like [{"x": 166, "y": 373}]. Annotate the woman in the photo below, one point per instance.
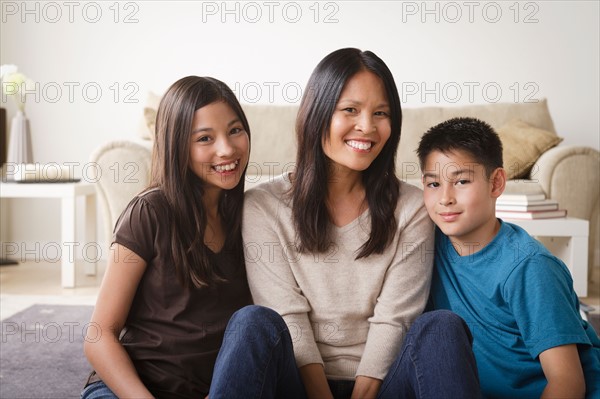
[{"x": 342, "y": 250}]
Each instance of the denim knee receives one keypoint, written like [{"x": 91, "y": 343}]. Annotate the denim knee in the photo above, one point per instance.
[
  {"x": 253, "y": 313},
  {"x": 442, "y": 323},
  {"x": 256, "y": 320}
]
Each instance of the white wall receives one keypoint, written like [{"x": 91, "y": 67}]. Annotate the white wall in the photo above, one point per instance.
[{"x": 526, "y": 50}]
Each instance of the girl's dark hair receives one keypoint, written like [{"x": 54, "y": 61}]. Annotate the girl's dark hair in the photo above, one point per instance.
[
  {"x": 180, "y": 185},
  {"x": 309, "y": 187}
]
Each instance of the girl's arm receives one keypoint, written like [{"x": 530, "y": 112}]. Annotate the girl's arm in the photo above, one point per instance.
[
  {"x": 562, "y": 368},
  {"x": 315, "y": 382},
  {"x": 103, "y": 350}
]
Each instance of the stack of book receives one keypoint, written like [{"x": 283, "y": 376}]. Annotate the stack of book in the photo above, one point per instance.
[{"x": 527, "y": 206}]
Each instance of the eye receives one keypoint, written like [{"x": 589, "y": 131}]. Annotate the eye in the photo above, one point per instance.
[
  {"x": 462, "y": 182},
  {"x": 433, "y": 184},
  {"x": 382, "y": 113},
  {"x": 350, "y": 110},
  {"x": 236, "y": 130},
  {"x": 203, "y": 139}
]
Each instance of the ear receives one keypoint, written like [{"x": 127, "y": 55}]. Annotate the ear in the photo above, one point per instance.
[{"x": 498, "y": 180}]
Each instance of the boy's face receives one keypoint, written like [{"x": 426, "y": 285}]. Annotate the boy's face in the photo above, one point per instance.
[{"x": 461, "y": 199}]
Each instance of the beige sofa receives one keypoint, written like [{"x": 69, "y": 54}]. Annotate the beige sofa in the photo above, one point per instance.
[{"x": 568, "y": 174}]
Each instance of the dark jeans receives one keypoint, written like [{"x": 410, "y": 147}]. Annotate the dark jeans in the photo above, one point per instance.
[{"x": 256, "y": 360}]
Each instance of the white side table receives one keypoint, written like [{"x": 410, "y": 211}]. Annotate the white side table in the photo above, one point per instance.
[
  {"x": 68, "y": 193},
  {"x": 569, "y": 242}
]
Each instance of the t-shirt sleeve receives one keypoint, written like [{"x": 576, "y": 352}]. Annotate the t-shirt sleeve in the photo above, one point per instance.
[
  {"x": 136, "y": 228},
  {"x": 540, "y": 294}
]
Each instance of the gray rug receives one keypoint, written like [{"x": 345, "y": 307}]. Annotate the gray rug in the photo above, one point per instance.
[{"x": 41, "y": 352}]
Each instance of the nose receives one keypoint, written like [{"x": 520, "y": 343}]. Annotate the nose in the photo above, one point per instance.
[
  {"x": 447, "y": 196},
  {"x": 224, "y": 147},
  {"x": 365, "y": 124}
]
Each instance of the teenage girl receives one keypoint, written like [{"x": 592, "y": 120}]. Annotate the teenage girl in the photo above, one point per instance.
[{"x": 176, "y": 269}]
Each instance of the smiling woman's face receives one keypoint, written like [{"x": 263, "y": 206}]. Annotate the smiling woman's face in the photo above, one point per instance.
[{"x": 360, "y": 124}]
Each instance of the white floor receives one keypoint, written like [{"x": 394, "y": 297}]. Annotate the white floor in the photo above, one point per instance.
[{"x": 32, "y": 283}]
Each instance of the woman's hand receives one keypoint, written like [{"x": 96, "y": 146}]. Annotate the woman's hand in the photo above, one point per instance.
[{"x": 365, "y": 387}]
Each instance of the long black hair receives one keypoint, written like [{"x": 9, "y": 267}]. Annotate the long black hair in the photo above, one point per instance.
[
  {"x": 180, "y": 185},
  {"x": 309, "y": 187}
]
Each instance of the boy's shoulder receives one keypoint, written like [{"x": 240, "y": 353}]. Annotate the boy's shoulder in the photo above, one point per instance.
[
  {"x": 512, "y": 247},
  {"x": 517, "y": 239}
]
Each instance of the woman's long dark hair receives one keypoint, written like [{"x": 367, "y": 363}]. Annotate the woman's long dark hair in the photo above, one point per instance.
[
  {"x": 183, "y": 189},
  {"x": 310, "y": 185}
]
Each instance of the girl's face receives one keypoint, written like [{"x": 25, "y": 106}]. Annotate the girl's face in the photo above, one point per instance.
[
  {"x": 360, "y": 125},
  {"x": 219, "y": 146}
]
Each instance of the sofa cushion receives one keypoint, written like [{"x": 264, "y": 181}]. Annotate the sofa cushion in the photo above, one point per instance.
[
  {"x": 416, "y": 121},
  {"x": 147, "y": 123},
  {"x": 273, "y": 143},
  {"x": 522, "y": 145},
  {"x": 150, "y": 121}
]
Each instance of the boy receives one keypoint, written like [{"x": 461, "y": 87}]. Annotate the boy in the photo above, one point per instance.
[{"x": 517, "y": 298}]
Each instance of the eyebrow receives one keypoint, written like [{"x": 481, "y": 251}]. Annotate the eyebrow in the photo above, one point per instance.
[
  {"x": 208, "y": 129},
  {"x": 348, "y": 101},
  {"x": 455, "y": 173}
]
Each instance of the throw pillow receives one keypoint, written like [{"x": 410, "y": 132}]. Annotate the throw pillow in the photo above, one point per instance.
[
  {"x": 523, "y": 144},
  {"x": 150, "y": 118},
  {"x": 147, "y": 123}
]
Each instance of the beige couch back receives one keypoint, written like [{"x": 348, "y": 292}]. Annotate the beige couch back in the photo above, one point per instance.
[{"x": 274, "y": 143}]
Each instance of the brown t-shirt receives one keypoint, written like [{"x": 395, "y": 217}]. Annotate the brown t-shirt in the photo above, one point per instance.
[{"x": 173, "y": 334}]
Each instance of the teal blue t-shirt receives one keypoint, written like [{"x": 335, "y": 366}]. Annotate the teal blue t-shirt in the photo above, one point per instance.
[{"x": 518, "y": 300}]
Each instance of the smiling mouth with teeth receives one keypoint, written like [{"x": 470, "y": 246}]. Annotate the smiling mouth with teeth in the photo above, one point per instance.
[
  {"x": 360, "y": 145},
  {"x": 226, "y": 167}
]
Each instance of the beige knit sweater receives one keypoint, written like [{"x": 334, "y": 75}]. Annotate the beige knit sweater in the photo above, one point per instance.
[{"x": 349, "y": 315}]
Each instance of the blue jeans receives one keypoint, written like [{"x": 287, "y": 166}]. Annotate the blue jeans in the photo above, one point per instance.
[
  {"x": 256, "y": 360},
  {"x": 436, "y": 361},
  {"x": 97, "y": 390}
]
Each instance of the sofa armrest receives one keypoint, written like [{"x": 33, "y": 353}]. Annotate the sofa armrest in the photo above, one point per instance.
[
  {"x": 569, "y": 174},
  {"x": 123, "y": 168}
]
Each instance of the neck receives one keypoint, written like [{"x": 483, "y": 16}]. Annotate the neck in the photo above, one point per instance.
[
  {"x": 210, "y": 200},
  {"x": 345, "y": 197},
  {"x": 343, "y": 183}
]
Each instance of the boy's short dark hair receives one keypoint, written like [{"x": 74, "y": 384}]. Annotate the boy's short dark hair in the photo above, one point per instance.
[{"x": 466, "y": 134}]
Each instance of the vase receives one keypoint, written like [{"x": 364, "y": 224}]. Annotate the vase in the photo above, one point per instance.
[{"x": 19, "y": 148}]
